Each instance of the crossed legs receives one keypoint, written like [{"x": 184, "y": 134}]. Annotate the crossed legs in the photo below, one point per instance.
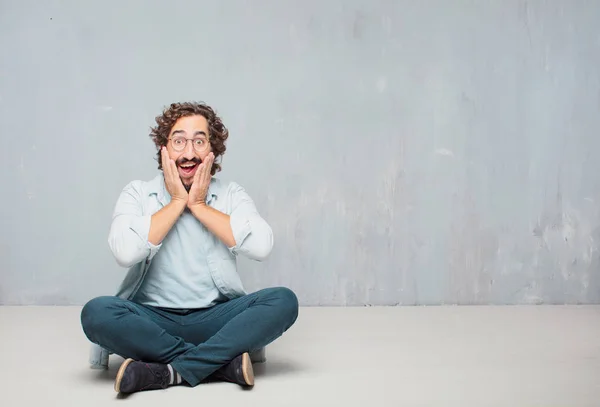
[{"x": 196, "y": 343}]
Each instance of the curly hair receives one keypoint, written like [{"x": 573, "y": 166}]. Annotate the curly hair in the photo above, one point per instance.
[{"x": 217, "y": 132}]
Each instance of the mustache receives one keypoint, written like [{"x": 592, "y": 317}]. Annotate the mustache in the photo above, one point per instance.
[{"x": 186, "y": 161}]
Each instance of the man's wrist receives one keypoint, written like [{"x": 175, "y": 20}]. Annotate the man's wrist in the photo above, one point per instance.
[
  {"x": 197, "y": 206},
  {"x": 180, "y": 204}
]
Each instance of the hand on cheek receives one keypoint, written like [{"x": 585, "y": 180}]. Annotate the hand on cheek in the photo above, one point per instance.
[
  {"x": 201, "y": 182},
  {"x": 172, "y": 180}
]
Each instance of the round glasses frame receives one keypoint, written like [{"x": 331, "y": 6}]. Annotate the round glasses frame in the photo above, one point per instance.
[{"x": 180, "y": 143}]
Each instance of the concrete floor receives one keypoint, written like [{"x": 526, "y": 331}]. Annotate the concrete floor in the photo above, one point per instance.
[{"x": 413, "y": 356}]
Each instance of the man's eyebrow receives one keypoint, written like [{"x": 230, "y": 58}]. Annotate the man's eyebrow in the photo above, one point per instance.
[{"x": 198, "y": 133}]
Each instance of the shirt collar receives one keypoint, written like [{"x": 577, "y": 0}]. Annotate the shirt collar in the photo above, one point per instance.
[{"x": 157, "y": 187}]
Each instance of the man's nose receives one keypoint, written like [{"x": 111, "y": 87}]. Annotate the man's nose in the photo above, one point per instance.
[{"x": 189, "y": 152}]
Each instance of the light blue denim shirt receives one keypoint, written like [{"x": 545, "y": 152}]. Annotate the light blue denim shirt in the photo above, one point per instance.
[
  {"x": 128, "y": 236},
  {"x": 182, "y": 265},
  {"x": 128, "y": 239}
]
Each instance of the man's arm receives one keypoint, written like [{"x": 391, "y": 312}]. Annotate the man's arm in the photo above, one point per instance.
[
  {"x": 244, "y": 231},
  {"x": 215, "y": 221},
  {"x": 129, "y": 230},
  {"x": 253, "y": 235},
  {"x": 134, "y": 236},
  {"x": 163, "y": 221}
]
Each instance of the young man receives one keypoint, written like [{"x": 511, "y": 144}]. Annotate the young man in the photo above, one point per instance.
[{"x": 181, "y": 314}]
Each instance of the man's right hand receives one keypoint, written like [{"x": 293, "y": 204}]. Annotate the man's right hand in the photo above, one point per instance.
[
  {"x": 172, "y": 180},
  {"x": 163, "y": 220}
]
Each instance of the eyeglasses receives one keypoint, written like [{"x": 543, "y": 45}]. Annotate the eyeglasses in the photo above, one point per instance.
[{"x": 200, "y": 144}]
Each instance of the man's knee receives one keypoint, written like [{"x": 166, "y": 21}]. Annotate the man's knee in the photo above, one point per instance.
[
  {"x": 94, "y": 312},
  {"x": 287, "y": 302}
]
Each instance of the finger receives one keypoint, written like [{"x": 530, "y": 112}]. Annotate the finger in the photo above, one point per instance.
[
  {"x": 167, "y": 168},
  {"x": 198, "y": 173},
  {"x": 166, "y": 159},
  {"x": 170, "y": 170},
  {"x": 174, "y": 174},
  {"x": 209, "y": 165},
  {"x": 163, "y": 157}
]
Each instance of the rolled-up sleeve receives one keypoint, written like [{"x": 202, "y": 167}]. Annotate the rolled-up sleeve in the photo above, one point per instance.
[
  {"x": 253, "y": 235},
  {"x": 128, "y": 236}
]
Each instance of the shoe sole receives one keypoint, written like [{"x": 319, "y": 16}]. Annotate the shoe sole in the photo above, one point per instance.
[
  {"x": 247, "y": 369},
  {"x": 120, "y": 374}
]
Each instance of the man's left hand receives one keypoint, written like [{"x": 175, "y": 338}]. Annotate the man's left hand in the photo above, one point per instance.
[{"x": 199, "y": 189}]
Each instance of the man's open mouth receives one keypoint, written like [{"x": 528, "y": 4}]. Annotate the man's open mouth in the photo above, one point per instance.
[{"x": 188, "y": 169}]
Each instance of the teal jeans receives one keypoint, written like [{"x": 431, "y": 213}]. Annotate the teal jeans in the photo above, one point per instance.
[{"x": 195, "y": 342}]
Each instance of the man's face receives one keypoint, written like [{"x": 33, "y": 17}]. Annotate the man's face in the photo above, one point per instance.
[{"x": 188, "y": 146}]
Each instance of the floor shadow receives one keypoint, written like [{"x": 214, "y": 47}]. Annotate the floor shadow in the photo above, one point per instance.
[
  {"x": 121, "y": 396},
  {"x": 275, "y": 368},
  {"x": 108, "y": 375}
]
